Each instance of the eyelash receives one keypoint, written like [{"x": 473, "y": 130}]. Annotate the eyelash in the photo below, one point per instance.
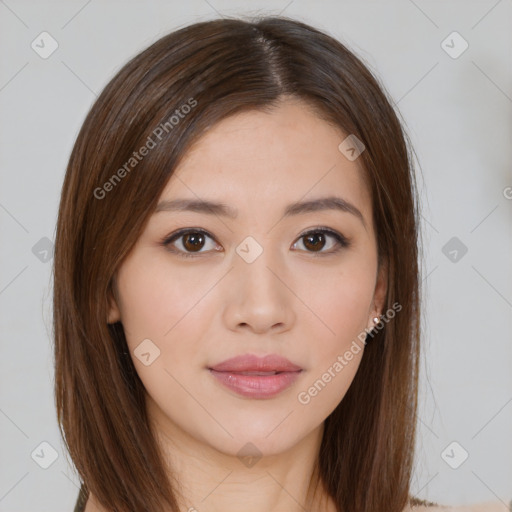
[{"x": 343, "y": 243}]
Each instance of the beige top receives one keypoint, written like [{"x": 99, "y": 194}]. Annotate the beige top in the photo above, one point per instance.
[{"x": 416, "y": 505}]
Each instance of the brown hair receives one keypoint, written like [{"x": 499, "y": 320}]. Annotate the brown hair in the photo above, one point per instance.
[{"x": 218, "y": 68}]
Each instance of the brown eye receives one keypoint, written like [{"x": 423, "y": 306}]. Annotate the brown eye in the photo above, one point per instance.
[
  {"x": 193, "y": 241},
  {"x": 189, "y": 242},
  {"x": 316, "y": 240}
]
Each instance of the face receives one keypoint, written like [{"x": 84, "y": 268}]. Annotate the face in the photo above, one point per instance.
[{"x": 201, "y": 287}]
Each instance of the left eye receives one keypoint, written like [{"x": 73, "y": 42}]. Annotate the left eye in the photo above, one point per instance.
[{"x": 314, "y": 241}]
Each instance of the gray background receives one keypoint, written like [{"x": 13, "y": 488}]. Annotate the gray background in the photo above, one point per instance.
[{"x": 458, "y": 114}]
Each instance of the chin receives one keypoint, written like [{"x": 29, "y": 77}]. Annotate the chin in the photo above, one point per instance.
[{"x": 252, "y": 446}]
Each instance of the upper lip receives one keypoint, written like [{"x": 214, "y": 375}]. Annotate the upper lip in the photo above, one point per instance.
[{"x": 254, "y": 363}]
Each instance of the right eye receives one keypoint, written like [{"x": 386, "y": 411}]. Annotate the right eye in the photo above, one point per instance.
[{"x": 190, "y": 240}]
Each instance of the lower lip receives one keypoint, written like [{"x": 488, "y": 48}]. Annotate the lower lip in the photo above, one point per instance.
[{"x": 256, "y": 386}]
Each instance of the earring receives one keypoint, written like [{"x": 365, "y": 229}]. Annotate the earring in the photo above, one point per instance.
[{"x": 373, "y": 330}]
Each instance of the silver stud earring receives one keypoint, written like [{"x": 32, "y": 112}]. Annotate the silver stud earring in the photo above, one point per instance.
[{"x": 373, "y": 330}]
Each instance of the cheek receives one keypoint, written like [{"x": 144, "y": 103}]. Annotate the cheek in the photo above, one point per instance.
[
  {"x": 163, "y": 304},
  {"x": 158, "y": 299},
  {"x": 337, "y": 314},
  {"x": 340, "y": 301}
]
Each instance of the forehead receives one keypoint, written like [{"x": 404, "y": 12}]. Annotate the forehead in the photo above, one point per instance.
[{"x": 258, "y": 160}]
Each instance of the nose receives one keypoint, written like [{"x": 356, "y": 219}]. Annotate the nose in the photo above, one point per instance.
[{"x": 260, "y": 298}]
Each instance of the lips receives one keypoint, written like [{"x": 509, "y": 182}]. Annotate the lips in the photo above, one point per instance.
[
  {"x": 256, "y": 377},
  {"x": 251, "y": 363}
]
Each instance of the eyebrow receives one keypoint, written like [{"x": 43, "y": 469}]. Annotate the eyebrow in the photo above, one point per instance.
[{"x": 297, "y": 208}]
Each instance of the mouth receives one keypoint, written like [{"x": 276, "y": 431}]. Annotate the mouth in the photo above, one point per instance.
[{"x": 256, "y": 377}]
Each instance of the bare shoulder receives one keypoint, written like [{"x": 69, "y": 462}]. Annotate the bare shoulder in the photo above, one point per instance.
[
  {"x": 494, "y": 506},
  {"x": 92, "y": 505}
]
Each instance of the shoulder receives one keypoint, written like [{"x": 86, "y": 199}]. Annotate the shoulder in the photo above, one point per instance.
[
  {"x": 87, "y": 503},
  {"x": 92, "y": 505}
]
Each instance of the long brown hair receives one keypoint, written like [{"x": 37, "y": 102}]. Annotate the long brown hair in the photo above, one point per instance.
[{"x": 202, "y": 74}]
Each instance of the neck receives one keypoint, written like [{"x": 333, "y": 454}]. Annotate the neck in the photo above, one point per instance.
[{"x": 212, "y": 479}]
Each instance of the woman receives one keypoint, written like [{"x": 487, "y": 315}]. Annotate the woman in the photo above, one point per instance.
[{"x": 236, "y": 280}]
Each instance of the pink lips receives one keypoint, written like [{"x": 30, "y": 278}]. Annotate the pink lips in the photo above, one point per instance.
[{"x": 256, "y": 377}]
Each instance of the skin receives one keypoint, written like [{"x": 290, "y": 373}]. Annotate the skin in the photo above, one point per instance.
[{"x": 291, "y": 301}]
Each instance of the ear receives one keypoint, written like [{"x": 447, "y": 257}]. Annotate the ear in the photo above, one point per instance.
[
  {"x": 381, "y": 288},
  {"x": 114, "y": 313}
]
